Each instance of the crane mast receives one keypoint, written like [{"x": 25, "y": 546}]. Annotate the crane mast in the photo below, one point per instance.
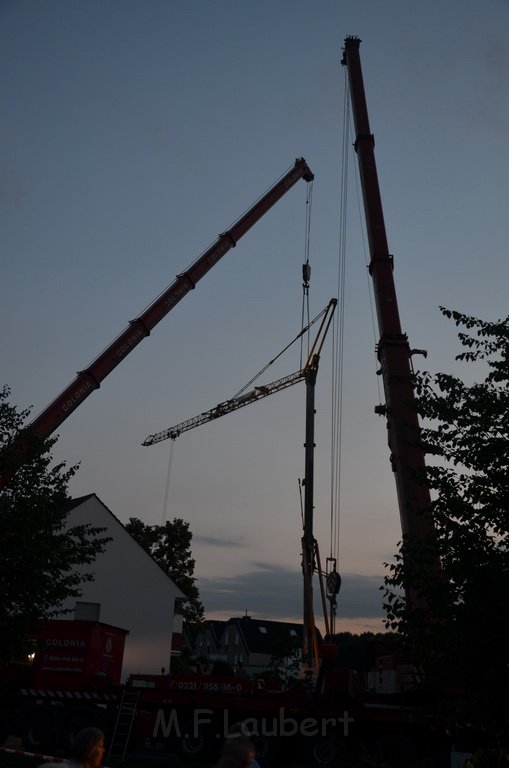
[
  {"x": 310, "y": 552},
  {"x": 393, "y": 350},
  {"x": 90, "y": 378}
]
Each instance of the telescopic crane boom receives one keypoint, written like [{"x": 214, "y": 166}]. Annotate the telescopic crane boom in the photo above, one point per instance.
[
  {"x": 394, "y": 354},
  {"x": 90, "y": 378}
]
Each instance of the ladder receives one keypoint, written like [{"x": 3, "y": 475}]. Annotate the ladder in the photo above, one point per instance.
[{"x": 124, "y": 723}]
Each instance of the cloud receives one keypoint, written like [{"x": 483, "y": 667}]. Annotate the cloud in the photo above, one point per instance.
[
  {"x": 274, "y": 592},
  {"x": 216, "y": 541}
]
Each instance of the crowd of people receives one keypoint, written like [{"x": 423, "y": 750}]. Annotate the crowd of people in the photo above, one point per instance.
[{"x": 88, "y": 752}]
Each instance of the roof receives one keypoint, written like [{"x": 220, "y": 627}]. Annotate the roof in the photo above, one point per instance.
[
  {"x": 263, "y": 636},
  {"x": 71, "y": 504},
  {"x": 194, "y": 632},
  {"x": 216, "y": 628}
]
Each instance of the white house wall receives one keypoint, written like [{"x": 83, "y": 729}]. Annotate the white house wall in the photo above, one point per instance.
[{"x": 133, "y": 591}]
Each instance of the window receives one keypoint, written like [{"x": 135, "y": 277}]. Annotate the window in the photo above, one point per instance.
[
  {"x": 142, "y": 683},
  {"x": 263, "y": 630}
]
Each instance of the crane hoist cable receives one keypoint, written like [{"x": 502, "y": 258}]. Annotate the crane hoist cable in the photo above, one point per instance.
[
  {"x": 338, "y": 343},
  {"x": 306, "y": 268},
  {"x": 339, "y": 323},
  {"x": 365, "y": 252},
  {"x": 301, "y": 502},
  {"x": 167, "y": 484},
  {"x": 300, "y": 335}
]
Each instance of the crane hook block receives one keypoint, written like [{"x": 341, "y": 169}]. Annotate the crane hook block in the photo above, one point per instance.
[
  {"x": 306, "y": 273},
  {"x": 333, "y": 583}
]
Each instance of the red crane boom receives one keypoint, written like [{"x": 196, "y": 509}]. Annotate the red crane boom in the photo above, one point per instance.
[
  {"x": 407, "y": 455},
  {"x": 91, "y": 377}
]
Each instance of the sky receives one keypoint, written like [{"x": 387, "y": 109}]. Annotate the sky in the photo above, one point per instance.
[{"x": 133, "y": 132}]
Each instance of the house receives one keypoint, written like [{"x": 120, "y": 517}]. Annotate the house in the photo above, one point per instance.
[
  {"x": 130, "y": 590},
  {"x": 254, "y": 644},
  {"x": 206, "y": 643},
  {"x": 249, "y": 645}
]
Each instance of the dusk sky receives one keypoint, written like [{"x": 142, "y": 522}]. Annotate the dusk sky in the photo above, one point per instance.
[{"x": 131, "y": 134}]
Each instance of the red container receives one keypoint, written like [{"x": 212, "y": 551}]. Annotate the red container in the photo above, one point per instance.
[{"x": 78, "y": 655}]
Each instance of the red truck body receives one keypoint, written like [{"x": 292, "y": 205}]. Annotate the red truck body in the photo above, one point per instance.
[
  {"x": 76, "y": 655},
  {"x": 73, "y": 683}
]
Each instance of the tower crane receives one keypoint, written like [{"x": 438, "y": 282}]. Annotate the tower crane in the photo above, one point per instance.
[
  {"x": 221, "y": 409},
  {"x": 310, "y": 553},
  {"x": 258, "y": 392}
]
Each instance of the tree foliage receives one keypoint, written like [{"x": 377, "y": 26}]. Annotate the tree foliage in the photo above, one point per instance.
[
  {"x": 286, "y": 659},
  {"x": 356, "y": 651},
  {"x": 40, "y": 551},
  {"x": 463, "y": 649},
  {"x": 170, "y": 546}
]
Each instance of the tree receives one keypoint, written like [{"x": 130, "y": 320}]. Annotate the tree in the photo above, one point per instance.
[
  {"x": 170, "y": 546},
  {"x": 40, "y": 551},
  {"x": 464, "y": 648},
  {"x": 356, "y": 651},
  {"x": 286, "y": 659}
]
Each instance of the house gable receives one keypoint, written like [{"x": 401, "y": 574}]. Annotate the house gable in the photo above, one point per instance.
[{"x": 132, "y": 591}]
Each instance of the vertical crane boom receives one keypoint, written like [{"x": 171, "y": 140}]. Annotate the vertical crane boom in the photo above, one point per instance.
[
  {"x": 91, "y": 377},
  {"x": 407, "y": 456}
]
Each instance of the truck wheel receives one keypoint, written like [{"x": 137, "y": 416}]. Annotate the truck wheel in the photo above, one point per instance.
[
  {"x": 324, "y": 750},
  {"x": 266, "y": 747},
  {"x": 193, "y": 742},
  {"x": 73, "y": 724},
  {"x": 39, "y": 733}
]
